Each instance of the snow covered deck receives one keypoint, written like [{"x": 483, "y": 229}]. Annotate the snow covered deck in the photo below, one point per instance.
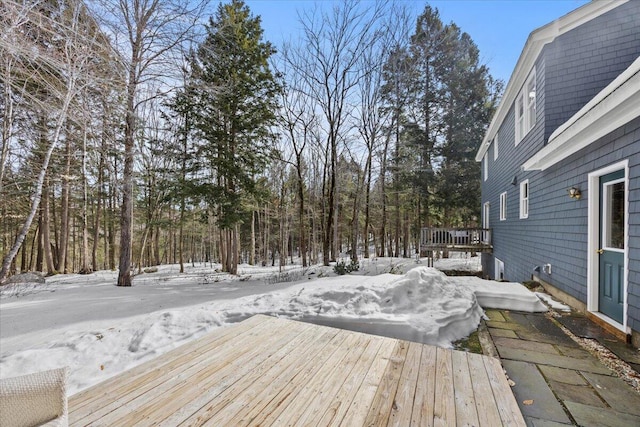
[{"x": 270, "y": 371}]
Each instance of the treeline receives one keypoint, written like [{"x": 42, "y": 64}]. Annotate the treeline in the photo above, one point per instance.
[{"x": 132, "y": 135}]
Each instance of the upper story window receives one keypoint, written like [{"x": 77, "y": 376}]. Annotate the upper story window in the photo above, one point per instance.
[
  {"x": 485, "y": 166},
  {"x": 524, "y": 199},
  {"x": 503, "y": 206},
  {"x": 525, "y": 107},
  {"x": 495, "y": 148}
]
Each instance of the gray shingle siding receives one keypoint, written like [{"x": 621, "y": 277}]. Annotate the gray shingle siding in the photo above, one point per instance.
[
  {"x": 570, "y": 71},
  {"x": 556, "y": 231},
  {"x": 583, "y": 61}
]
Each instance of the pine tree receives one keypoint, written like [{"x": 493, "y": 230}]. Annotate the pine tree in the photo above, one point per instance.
[
  {"x": 468, "y": 107},
  {"x": 235, "y": 103}
]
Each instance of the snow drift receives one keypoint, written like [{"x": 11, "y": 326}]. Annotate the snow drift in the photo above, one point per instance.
[{"x": 422, "y": 305}]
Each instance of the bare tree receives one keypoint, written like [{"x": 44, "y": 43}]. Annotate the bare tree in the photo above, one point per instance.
[
  {"x": 59, "y": 69},
  {"x": 374, "y": 118},
  {"x": 328, "y": 58},
  {"x": 299, "y": 121},
  {"x": 146, "y": 32},
  {"x": 13, "y": 17}
]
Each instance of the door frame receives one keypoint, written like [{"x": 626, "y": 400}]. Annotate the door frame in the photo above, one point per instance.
[{"x": 593, "y": 242}]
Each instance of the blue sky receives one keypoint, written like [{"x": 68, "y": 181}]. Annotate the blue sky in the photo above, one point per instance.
[{"x": 499, "y": 27}]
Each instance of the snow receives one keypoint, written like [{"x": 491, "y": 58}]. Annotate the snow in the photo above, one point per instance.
[
  {"x": 100, "y": 330},
  {"x": 552, "y": 303}
]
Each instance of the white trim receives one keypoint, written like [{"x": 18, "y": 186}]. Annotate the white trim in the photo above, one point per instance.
[
  {"x": 524, "y": 201},
  {"x": 593, "y": 224},
  {"x": 485, "y": 166},
  {"x": 495, "y": 147},
  {"x": 611, "y": 108},
  {"x": 532, "y": 48},
  {"x": 503, "y": 206}
]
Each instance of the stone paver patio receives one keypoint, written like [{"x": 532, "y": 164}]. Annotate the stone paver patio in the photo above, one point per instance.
[{"x": 557, "y": 382}]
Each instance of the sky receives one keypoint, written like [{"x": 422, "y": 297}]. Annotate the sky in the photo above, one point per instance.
[{"x": 499, "y": 27}]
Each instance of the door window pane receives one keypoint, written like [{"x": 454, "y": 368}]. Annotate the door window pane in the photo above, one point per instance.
[{"x": 615, "y": 216}]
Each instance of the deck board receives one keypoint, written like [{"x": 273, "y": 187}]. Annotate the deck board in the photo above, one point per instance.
[{"x": 272, "y": 372}]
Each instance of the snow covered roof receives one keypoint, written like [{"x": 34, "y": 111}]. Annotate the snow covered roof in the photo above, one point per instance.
[{"x": 532, "y": 48}]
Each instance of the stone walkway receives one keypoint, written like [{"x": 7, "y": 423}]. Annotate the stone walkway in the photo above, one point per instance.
[{"x": 557, "y": 382}]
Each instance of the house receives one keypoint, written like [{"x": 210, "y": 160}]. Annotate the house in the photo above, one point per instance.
[{"x": 561, "y": 165}]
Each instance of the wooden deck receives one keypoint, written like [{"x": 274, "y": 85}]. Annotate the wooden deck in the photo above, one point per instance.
[
  {"x": 268, "y": 371},
  {"x": 456, "y": 239}
]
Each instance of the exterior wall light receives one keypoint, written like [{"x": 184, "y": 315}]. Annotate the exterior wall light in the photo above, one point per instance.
[
  {"x": 575, "y": 193},
  {"x": 532, "y": 94}
]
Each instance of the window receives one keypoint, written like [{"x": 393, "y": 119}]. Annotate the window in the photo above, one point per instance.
[
  {"x": 503, "y": 206},
  {"x": 485, "y": 164},
  {"x": 486, "y": 233},
  {"x": 524, "y": 199},
  {"x": 613, "y": 212},
  {"x": 495, "y": 148},
  {"x": 525, "y": 107},
  {"x": 531, "y": 101},
  {"x": 519, "y": 118}
]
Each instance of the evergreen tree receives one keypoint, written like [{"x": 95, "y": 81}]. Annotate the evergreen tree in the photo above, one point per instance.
[
  {"x": 441, "y": 98},
  {"x": 235, "y": 103},
  {"x": 468, "y": 107}
]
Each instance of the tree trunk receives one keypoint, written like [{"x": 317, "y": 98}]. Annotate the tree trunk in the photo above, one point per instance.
[
  {"x": 96, "y": 224},
  {"x": 252, "y": 254},
  {"x": 39, "y": 238},
  {"x": 396, "y": 187},
  {"x": 236, "y": 249},
  {"x": 8, "y": 259},
  {"x": 84, "y": 266},
  {"x": 367, "y": 195},
  {"x": 383, "y": 190},
  {"x": 64, "y": 212},
  {"x": 181, "y": 237},
  {"x": 327, "y": 254},
  {"x": 355, "y": 223},
  {"x": 46, "y": 241},
  {"x": 7, "y": 118},
  {"x": 301, "y": 227},
  {"x": 126, "y": 214}
]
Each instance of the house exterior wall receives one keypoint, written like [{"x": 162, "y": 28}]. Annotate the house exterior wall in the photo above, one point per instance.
[
  {"x": 570, "y": 71},
  {"x": 507, "y": 234},
  {"x": 580, "y": 63}
]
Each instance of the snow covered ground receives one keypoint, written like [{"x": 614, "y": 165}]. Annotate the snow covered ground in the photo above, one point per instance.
[{"x": 99, "y": 330}]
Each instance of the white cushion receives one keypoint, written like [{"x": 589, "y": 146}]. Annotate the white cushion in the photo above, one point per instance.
[{"x": 34, "y": 399}]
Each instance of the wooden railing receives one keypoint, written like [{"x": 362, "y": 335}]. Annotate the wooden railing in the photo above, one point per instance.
[{"x": 461, "y": 239}]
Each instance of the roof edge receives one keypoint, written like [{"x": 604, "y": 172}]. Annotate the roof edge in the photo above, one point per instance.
[
  {"x": 613, "y": 107},
  {"x": 535, "y": 42}
]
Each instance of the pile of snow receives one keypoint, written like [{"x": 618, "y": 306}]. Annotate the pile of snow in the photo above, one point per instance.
[
  {"x": 422, "y": 305},
  {"x": 552, "y": 303},
  {"x": 502, "y": 295}
]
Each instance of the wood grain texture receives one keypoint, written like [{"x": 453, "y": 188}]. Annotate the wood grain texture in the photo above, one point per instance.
[{"x": 267, "y": 371}]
